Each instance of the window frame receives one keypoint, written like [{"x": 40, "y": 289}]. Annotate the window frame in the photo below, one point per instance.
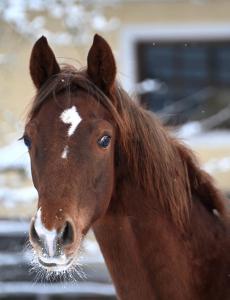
[{"x": 132, "y": 34}]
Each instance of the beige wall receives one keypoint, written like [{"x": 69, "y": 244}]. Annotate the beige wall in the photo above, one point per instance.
[{"x": 180, "y": 11}]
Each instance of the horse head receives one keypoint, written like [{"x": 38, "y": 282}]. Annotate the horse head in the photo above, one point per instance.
[{"x": 70, "y": 137}]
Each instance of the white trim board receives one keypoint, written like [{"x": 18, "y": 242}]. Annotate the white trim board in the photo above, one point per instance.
[{"x": 131, "y": 34}]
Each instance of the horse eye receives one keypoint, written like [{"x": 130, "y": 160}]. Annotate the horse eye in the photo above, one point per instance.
[
  {"x": 27, "y": 141},
  {"x": 104, "y": 141}
]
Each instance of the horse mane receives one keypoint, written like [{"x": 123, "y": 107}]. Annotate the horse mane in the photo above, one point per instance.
[{"x": 163, "y": 167}]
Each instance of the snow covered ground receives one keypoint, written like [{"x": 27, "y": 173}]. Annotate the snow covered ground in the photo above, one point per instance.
[
  {"x": 14, "y": 156},
  {"x": 193, "y": 135},
  {"x": 17, "y": 194}
]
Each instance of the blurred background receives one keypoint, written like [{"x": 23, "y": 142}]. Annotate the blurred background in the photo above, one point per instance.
[{"x": 172, "y": 55}]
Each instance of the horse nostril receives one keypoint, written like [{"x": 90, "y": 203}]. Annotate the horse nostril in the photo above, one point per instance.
[
  {"x": 67, "y": 236},
  {"x": 33, "y": 234}
]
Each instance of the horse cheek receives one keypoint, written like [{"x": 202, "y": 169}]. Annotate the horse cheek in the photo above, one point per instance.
[{"x": 103, "y": 187}]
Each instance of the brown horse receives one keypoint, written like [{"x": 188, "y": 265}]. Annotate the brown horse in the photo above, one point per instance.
[{"x": 100, "y": 161}]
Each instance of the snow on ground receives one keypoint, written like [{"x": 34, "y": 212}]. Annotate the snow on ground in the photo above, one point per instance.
[
  {"x": 67, "y": 288},
  {"x": 92, "y": 252},
  {"x": 217, "y": 165},
  {"x": 14, "y": 157},
  {"x": 9, "y": 197},
  {"x": 189, "y": 129},
  {"x": 13, "y": 227},
  {"x": 192, "y": 135}
]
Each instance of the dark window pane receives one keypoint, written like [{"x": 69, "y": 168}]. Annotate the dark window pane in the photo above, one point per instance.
[
  {"x": 186, "y": 70},
  {"x": 223, "y": 68}
]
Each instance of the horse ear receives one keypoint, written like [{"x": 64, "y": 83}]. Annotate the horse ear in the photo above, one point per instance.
[
  {"x": 101, "y": 66},
  {"x": 43, "y": 63}
]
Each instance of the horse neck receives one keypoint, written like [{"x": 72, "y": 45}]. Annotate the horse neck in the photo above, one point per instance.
[{"x": 133, "y": 261}]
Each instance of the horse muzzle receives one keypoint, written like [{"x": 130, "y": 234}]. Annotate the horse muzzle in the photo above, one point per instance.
[{"x": 53, "y": 248}]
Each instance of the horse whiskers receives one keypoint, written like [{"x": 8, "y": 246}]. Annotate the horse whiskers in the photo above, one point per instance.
[
  {"x": 77, "y": 266},
  {"x": 73, "y": 273}
]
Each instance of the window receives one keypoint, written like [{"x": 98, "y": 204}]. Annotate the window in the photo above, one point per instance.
[{"x": 195, "y": 75}]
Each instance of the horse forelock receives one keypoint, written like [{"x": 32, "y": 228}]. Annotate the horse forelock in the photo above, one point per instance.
[{"x": 165, "y": 169}]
